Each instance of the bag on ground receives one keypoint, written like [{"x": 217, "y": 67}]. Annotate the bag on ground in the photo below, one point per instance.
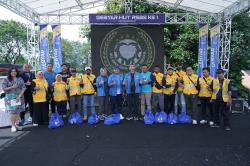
[
  {"x": 55, "y": 121},
  {"x": 161, "y": 117},
  {"x": 93, "y": 119},
  {"x": 112, "y": 119},
  {"x": 184, "y": 118},
  {"x": 149, "y": 117},
  {"x": 75, "y": 118},
  {"x": 172, "y": 118}
]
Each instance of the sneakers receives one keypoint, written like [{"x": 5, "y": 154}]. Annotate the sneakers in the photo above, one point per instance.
[
  {"x": 13, "y": 129},
  {"x": 22, "y": 122},
  {"x": 228, "y": 128},
  {"x": 35, "y": 124},
  {"x": 203, "y": 122},
  {"x": 30, "y": 120},
  {"x": 136, "y": 118},
  {"x": 121, "y": 117},
  {"x": 215, "y": 125},
  {"x": 101, "y": 117},
  {"x": 211, "y": 123},
  {"x": 64, "y": 116},
  {"x": 85, "y": 117},
  {"x": 194, "y": 122},
  {"x": 19, "y": 128},
  {"x": 129, "y": 118}
]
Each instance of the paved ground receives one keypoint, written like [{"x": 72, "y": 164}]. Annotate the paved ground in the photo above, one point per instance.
[{"x": 129, "y": 144}]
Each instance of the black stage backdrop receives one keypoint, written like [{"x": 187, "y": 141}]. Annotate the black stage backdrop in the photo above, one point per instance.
[{"x": 113, "y": 45}]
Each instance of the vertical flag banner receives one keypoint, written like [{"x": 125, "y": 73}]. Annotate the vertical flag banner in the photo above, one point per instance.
[
  {"x": 203, "y": 44},
  {"x": 44, "y": 47},
  {"x": 57, "y": 48},
  {"x": 215, "y": 43}
]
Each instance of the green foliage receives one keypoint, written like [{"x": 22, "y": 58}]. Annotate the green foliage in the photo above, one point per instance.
[
  {"x": 13, "y": 41},
  {"x": 240, "y": 47}
]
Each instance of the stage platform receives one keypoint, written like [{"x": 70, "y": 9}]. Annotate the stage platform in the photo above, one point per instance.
[{"x": 130, "y": 143}]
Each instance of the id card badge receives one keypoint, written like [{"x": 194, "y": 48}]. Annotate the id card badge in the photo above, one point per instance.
[{"x": 13, "y": 102}]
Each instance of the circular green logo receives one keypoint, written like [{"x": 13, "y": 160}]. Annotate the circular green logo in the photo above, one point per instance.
[{"x": 127, "y": 45}]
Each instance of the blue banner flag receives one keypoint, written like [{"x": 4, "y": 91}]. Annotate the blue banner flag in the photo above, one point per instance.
[
  {"x": 44, "y": 47},
  {"x": 203, "y": 44},
  {"x": 215, "y": 43},
  {"x": 57, "y": 47}
]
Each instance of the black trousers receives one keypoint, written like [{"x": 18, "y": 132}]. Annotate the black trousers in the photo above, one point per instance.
[
  {"x": 28, "y": 100},
  {"x": 41, "y": 113},
  {"x": 51, "y": 102},
  {"x": 206, "y": 109},
  {"x": 133, "y": 105},
  {"x": 116, "y": 103},
  {"x": 191, "y": 106},
  {"x": 169, "y": 101},
  {"x": 61, "y": 107},
  {"x": 221, "y": 110}
]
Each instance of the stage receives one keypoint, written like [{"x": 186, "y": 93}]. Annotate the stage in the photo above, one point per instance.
[{"x": 130, "y": 143}]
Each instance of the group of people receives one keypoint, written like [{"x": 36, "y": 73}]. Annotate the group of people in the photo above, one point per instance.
[{"x": 175, "y": 91}]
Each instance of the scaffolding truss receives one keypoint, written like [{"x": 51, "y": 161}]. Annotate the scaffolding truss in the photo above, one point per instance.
[{"x": 73, "y": 16}]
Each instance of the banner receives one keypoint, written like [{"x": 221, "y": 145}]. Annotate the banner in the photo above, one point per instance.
[
  {"x": 57, "y": 48},
  {"x": 44, "y": 47},
  {"x": 215, "y": 43},
  {"x": 138, "y": 18},
  {"x": 203, "y": 44}
]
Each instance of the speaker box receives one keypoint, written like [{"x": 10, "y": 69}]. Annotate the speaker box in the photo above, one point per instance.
[{"x": 237, "y": 105}]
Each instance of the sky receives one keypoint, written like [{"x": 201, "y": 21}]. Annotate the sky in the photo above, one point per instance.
[{"x": 70, "y": 32}]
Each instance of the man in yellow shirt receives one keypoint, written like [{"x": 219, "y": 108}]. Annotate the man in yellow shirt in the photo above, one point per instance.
[
  {"x": 221, "y": 99},
  {"x": 179, "y": 97},
  {"x": 170, "y": 86},
  {"x": 157, "y": 95},
  {"x": 205, "y": 94},
  {"x": 190, "y": 82},
  {"x": 74, "y": 92},
  {"x": 88, "y": 91}
]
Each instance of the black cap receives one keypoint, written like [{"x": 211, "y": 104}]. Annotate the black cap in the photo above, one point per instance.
[
  {"x": 73, "y": 71},
  {"x": 170, "y": 68},
  {"x": 219, "y": 71}
]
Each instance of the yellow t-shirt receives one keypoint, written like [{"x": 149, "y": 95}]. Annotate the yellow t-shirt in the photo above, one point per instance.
[
  {"x": 179, "y": 75},
  {"x": 74, "y": 86},
  {"x": 205, "y": 89},
  {"x": 189, "y": 87},
  {"x": 159, "y": 77},
  {"x": 59, "y": 93},
  {"x": 41, "y": 86},
  {"x": 87, "y": 85}
]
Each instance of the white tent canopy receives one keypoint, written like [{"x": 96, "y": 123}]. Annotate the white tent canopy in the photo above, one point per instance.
[{"x": 33, "y": 9}]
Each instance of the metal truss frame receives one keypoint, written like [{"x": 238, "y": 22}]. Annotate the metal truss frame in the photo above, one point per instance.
[
  {"x": 32, "y": 44},
  {"x": 71, "y": 16},
  {"x": 225, "y": 43}
]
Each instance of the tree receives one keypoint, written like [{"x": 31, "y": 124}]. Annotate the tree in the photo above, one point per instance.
[{"x": 13, "y": 41}]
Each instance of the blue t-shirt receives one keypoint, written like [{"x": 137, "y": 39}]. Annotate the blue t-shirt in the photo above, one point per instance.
[
  {"x": 146, "y": 77},
  {"x": 50, "y": 77}
]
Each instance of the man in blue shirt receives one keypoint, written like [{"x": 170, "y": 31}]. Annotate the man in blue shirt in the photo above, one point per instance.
[
  {"x": 146, "y": 88},
  {"x": 102, "y": 93},
  {"x": 115, "y": 90},
  {"x": 133, "y": 89},
  {"x": 50, "y": 76}
]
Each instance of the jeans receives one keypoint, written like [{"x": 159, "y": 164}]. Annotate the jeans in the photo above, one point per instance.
[
  {"x": 157, "y": 99},
  {"x": 91, "y": 99},
  {"x": 75, "y": 100},
  {"x": 179, "y": 98}
]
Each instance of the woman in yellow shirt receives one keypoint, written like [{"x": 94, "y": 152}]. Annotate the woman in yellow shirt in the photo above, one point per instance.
[
  {"x": 41, "y": 110},
  {"x": 60, "y": 95}
]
